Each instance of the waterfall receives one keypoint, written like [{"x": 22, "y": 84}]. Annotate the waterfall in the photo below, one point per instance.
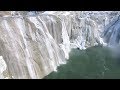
[
  {"x": 112, "y": 33},
  {"x": 32, "y": 48},
  {"x": 32, "y": 45}
]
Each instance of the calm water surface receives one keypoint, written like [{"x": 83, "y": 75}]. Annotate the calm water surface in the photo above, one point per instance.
[{"x": 93, "y": 63}]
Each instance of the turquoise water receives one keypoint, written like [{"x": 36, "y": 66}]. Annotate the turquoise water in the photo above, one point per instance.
[{"x": 93, "y": 63}]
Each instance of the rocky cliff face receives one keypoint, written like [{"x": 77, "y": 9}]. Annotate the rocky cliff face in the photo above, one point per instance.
[{"x": 33, "y": 44}]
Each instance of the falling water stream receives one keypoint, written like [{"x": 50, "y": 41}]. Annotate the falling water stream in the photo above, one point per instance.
[{"x": 59, "y": 44}]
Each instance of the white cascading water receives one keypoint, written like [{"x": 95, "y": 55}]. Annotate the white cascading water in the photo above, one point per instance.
[
  {"x": 30, "y": 51},
  {"x": 33, "y": 45},
  {"x": 112, "y": 33},
  {"x": 3, "y": 67}
]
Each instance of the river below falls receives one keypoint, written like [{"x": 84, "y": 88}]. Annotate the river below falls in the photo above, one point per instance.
[{"x": 93, "y": 63}]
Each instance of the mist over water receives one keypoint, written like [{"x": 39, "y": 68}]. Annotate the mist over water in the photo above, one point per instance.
[
  {"x": 93, "y": 63},
  {"x": 33, "y": 44}
]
